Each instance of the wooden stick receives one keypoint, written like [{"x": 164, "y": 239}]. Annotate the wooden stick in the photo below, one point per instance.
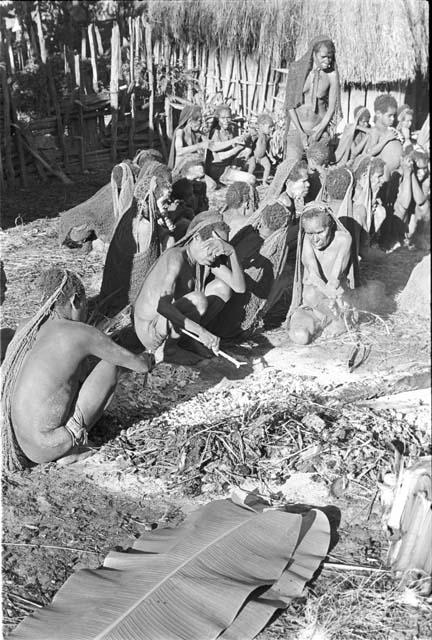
[
  {"x": 168, "y": 120},
  {"x": 98, "y": 40},
  {"x": 83, "y": 43},
  {"x": 60, "y": 131},
  {"x": 93, "y": 57},
  {"x": 57, "y": 172},
  {"x": 115, "y": 72},
  {"x": 148, "y": 40},
  {"x": 237, "y": 363},
  {"x": 258, "y": 62},
  {"x": 132, "y": 83}
]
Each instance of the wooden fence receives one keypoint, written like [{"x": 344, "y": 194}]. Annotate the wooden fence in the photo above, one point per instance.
[{"x": 92, "y": 128}]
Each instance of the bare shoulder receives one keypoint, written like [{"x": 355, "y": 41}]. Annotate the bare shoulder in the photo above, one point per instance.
[{"x": 343, "y": 239}]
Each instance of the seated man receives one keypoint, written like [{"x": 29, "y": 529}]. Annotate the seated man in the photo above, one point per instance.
[
  {"x": 50, "y": 397},
  {"x": 323, "y": 261},
  {"x": 383, "y": 139},
  {"x": 188, "y": 285},
  {"x": 368, "y": 210},
  {"x": 231, "y": 151}
]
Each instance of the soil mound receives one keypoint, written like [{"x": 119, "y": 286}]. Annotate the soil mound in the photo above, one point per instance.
[{"x": 416, "y": 298}]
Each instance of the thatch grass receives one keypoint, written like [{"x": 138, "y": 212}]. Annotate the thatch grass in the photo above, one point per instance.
[{"x": 376, "y": 40}]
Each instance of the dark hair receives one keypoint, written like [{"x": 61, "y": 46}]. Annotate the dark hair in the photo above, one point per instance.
[
  {"x": 237, "y": 194},
  {"x": 274, "y": 216},
  {"x": 319, "y": 151},
  {"x": 222, "y": 107},
  {"x": 206, "y": 232},
  {"x": 337, "y": 182},
  {"x": 163, "y": 180},
  {"x": 404, "y": 109},
  {"x": 51, "y": 279},
  {"x": 383, "y": 102},
  {"x": 325, "y": 42},
  {"x": 317, "y": 211},
  {"x": 296, "y": 172},
  {"x": 182, "y": 189},
  {"x": 366, "y": 113},
  {"x": 196, "y": 113},
  {"x": 264, "y": 118},
  {"x": 376, "y": 164}
]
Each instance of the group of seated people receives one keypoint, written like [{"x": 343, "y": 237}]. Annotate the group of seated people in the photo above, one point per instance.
[{"x": 194, "y": 275}]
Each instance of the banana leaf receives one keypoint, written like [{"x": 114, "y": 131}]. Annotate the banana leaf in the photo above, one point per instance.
[{"x": 221, "y": 574}]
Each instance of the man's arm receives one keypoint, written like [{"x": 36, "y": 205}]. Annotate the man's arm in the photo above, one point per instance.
[
  {"x": 377, "y": 143},
  {"x": 96, "y": 343},
  {"x": 341, "y": 260},
  {"x": 260, "y": 147},
  {"x": 182, "y": 149},
  {"x": 233, "y": 277}
]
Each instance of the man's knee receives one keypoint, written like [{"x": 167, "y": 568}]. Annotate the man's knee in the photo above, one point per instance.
[
  {"x": 219, "y": 289},
  {"x": 299, "y": 335},
  {"x": 192, "y": 303}
]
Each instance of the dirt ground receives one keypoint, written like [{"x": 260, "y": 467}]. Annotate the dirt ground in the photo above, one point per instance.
[{"x": 306, "y": 431}]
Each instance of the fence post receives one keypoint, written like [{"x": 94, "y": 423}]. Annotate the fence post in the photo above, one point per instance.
[
  {"x": 148, "y": 41},
  {"x": 115, "y": 70}
]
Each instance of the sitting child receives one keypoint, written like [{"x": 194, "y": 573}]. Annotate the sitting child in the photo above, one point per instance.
[
  {"x": 193, "y": 171},
  {"x": 354, "y": 137},
  {"x": 323, "y": 261},
  {"x": 405, "y": 117},
  {"x": 383, "y": 140},
  {"x": 50, "y": 397},
  {"x": 261, "y": 153},
  {"x": 318, "y": 159}
]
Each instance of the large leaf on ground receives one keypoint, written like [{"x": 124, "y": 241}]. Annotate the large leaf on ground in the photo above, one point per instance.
[{"x": 191, "y": 583}]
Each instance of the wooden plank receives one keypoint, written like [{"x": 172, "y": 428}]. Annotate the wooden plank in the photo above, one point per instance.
[
  {"x": 132, "y": 82},
  {"x": 10, "y": 174}
]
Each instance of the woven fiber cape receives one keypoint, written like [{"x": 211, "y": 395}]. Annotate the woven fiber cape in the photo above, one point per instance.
[
  {"x": 14, "y": 458},
  {"x": 297, "y": 292},
  {"x": 132, "y": 252},
  {"x": 221, "y": 575},
  {"x": 343, "y": 151},
  {"x": 123, "y": 200}
]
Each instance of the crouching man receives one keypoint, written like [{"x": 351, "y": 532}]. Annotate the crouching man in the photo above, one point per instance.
[
  {"x": 188, "y": 286},
  {"x": 50, "y": 397},
  {"x": 323, "y": 263}
]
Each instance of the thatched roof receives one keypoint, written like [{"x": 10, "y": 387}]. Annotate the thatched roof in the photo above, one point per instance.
[{"x": 376, "y": 40}]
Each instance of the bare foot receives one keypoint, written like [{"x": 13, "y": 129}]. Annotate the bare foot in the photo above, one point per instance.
[{"x": 76, "y": 454}]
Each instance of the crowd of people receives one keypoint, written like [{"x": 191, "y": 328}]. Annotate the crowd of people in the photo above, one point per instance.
[{"x": 192, "y": 275}]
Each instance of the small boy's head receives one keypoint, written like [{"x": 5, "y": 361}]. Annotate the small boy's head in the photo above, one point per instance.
[
  {"x": 265, "y": 124},
  {"x": 337, "y": 182},
  {"x": 405, "y": 116},
  {"x": 363, "y": 115},
  {"x": 318, "y": 155},
  {"x": 274, "y": 216},
  {"x": 385, "y": 107}
]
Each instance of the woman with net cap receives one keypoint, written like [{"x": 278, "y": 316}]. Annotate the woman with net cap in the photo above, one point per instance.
[{"x": 312, "y": 99}]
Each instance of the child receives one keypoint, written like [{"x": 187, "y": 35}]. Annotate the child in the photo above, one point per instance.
[
  {"x": 383, "y": 139},
  {"x": 261, "y": 146},
  {"x": 404, "y": 123},
  {"x": 355, "y": 137}
]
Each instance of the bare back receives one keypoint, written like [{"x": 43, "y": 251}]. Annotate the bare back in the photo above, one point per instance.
[
  {"x": 49, "y": 379},
  {"x": 170, "y": 270}
]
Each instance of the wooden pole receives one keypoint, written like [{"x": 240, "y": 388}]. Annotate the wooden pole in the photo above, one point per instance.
[
  {"x": 83, "y": 44},
  {"x": 131, "y": 144},
  {"x": 98, "y": 40},
  {"x": 168, "y": 120},
  {"x": 91, "y": 39},
  {"x": 115, "y": 69},
  {"x": 228, "y": 74},
  {"x": 189, "y": 68},
  {"x": 10, "y": 174},
  {"x": 254, "y": 92},
  {"x": 265, "y": 77},
  {"x": 2, "y": 180},
  {"x": 148, "y": 40},
  {"x": 239, "y": 85},
  {"x": 42, "y": 51},
  {"x": 10, "y": 51}
]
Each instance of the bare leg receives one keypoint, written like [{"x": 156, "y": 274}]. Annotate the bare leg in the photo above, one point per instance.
[
  {"x": 251, "y": 164},
  {"x": 265, "y": 163}
]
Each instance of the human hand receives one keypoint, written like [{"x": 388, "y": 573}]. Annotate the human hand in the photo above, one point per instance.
[
  {"x": 406, "y": 164},
  {"x": 391, "y": 135},
  {"x": 209, "y": 340},
  {"x": 222, "y": 246},
  {"x": 146, "y": 362}
]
